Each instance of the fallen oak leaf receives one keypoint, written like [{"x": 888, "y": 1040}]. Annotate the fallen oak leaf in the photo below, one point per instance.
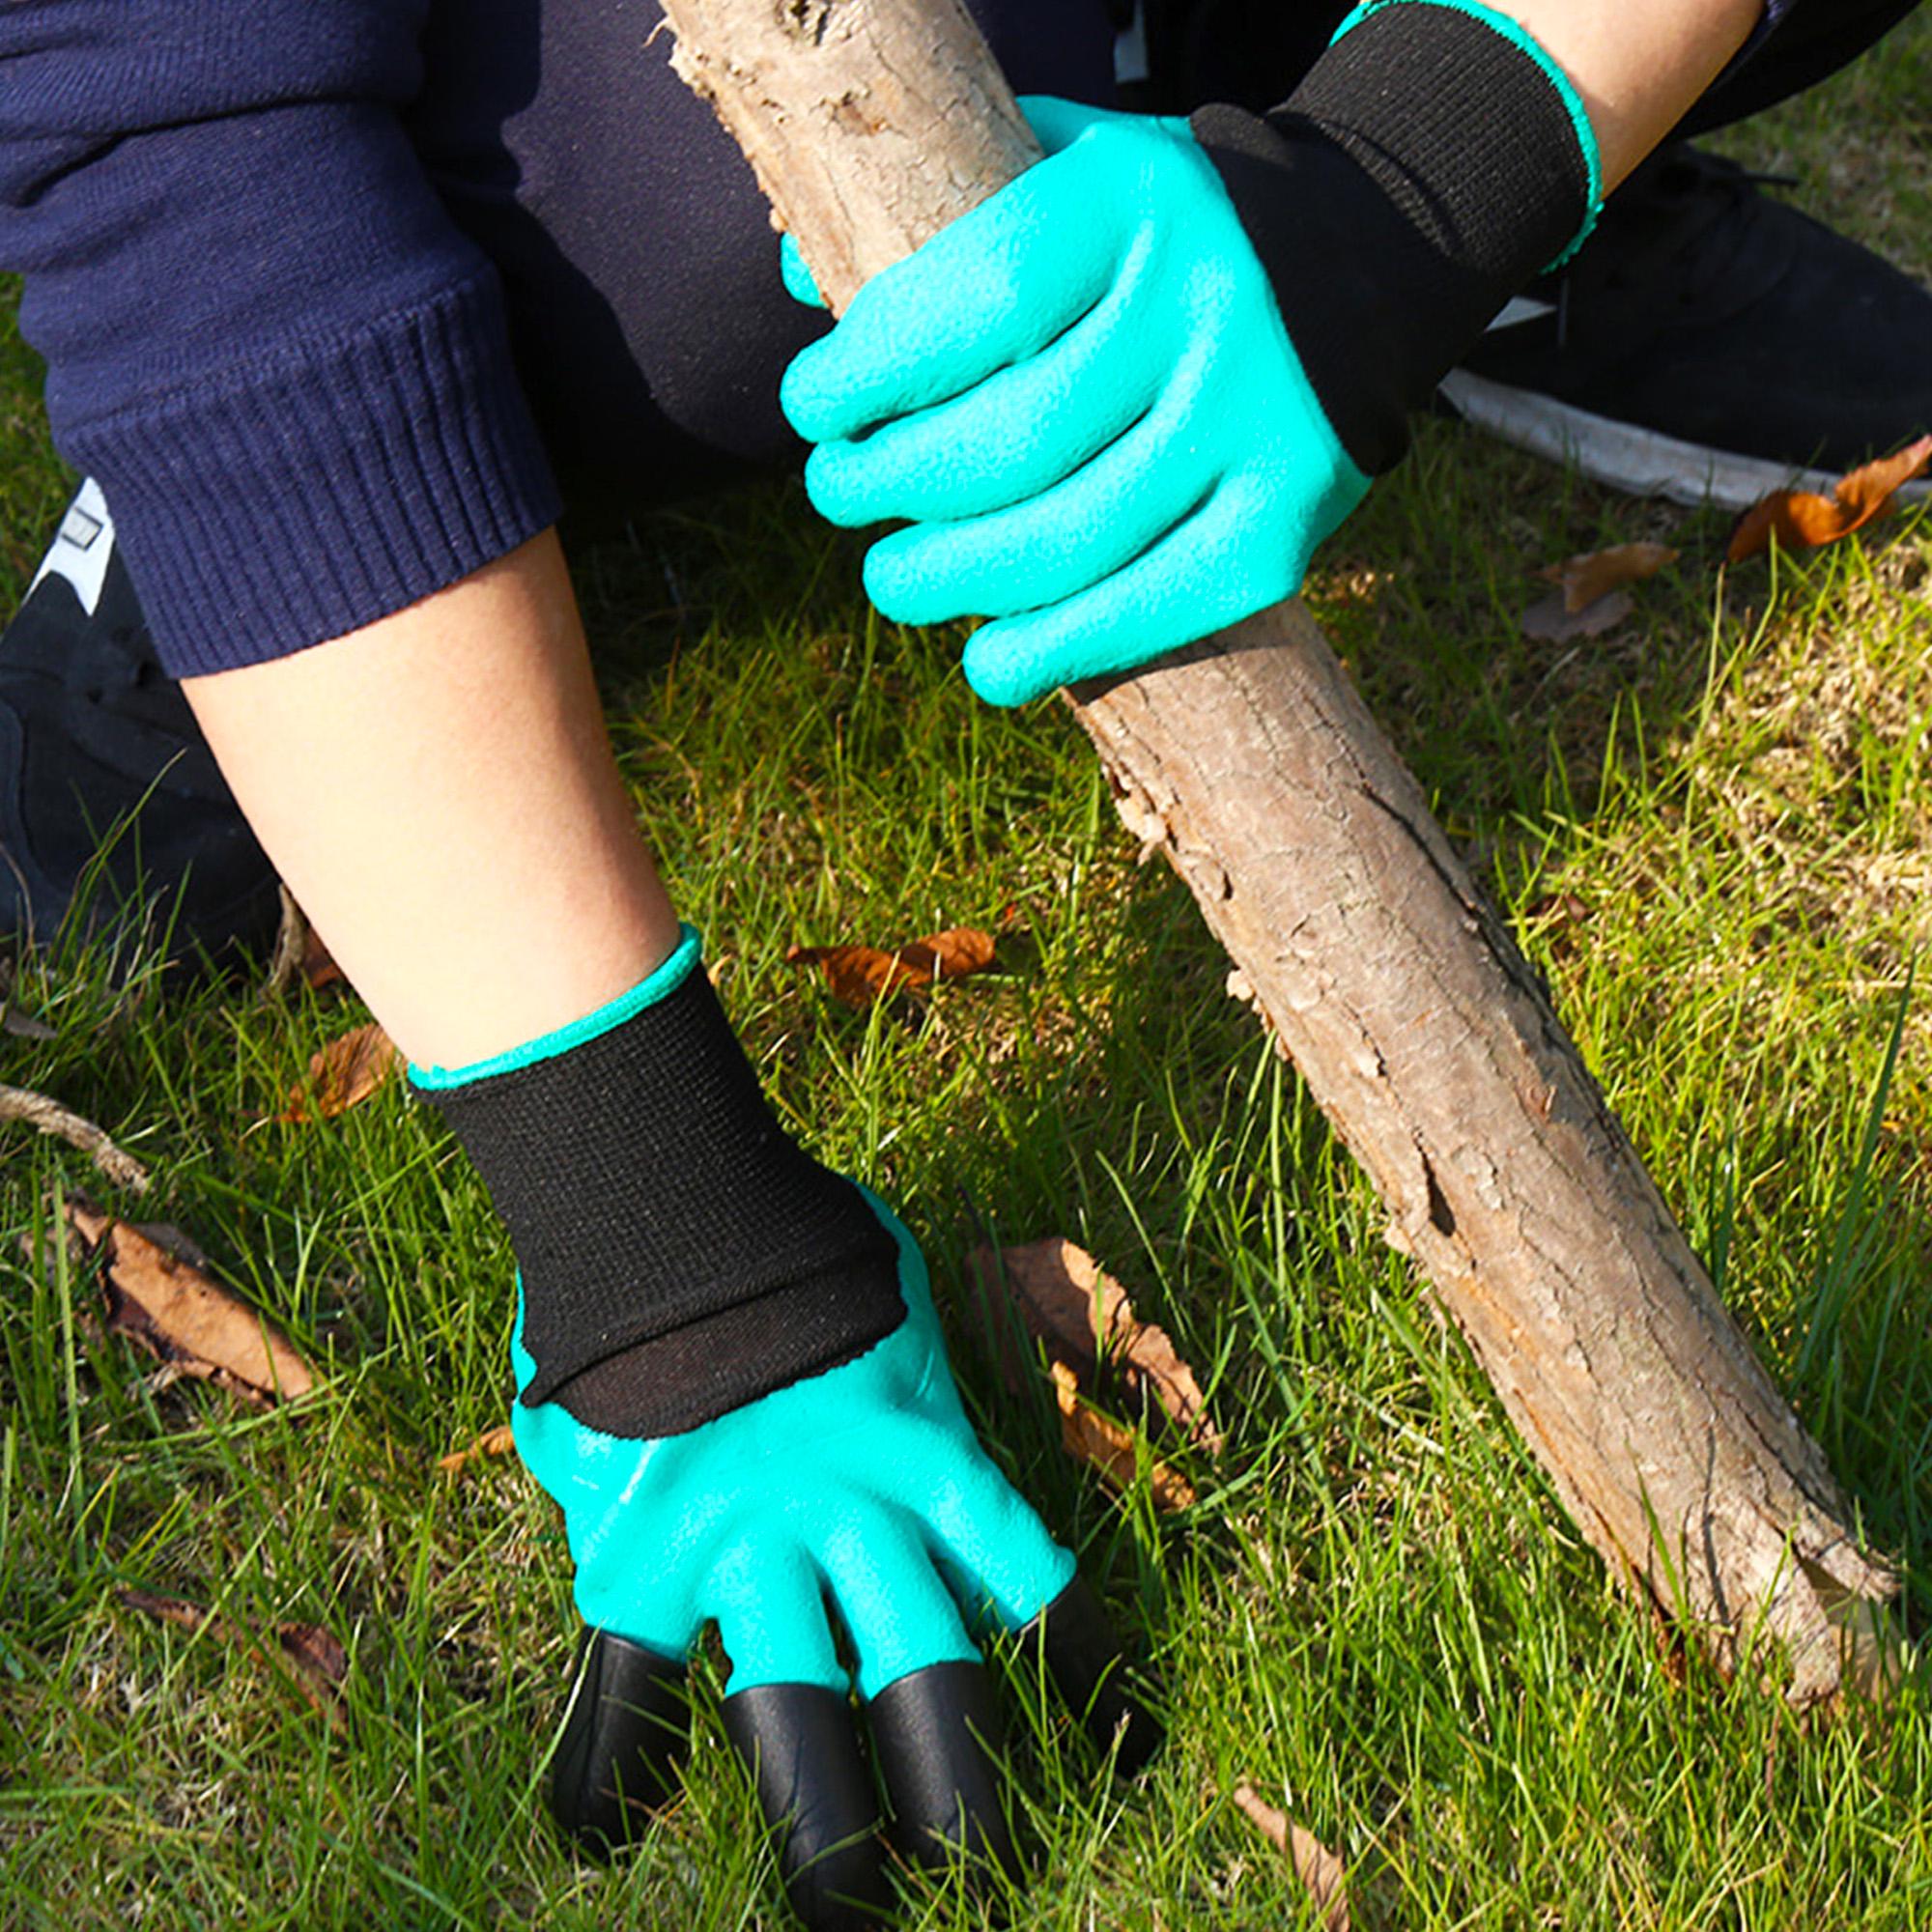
[
  {"x": 952, "y": 955},
  {"x": 1596, "y": 573},
  {"x": 182, "y": 1315},
  {"x": 343, "y": 1074},
  {"x": 1081, "y": 1314},
  {"x": 861, "y": 976},
  {"x": 1105, "y": 1446},
  {"x": 179, "y": 1243},
  {"x": 1804, "y": 519},
  {"x": 1320, "y": 1870},
  {"x": 497, "y": 1441}
]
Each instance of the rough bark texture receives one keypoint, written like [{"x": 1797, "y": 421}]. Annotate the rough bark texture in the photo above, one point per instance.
[{"x": 1361, "y": 939}]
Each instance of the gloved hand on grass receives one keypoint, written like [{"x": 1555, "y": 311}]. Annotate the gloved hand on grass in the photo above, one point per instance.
[
  {"x": 1120, "y": 401},
  {"x": 731, "y": 1379}
]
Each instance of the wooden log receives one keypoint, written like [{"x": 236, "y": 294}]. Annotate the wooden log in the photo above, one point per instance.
[{"x": 1360, "y": 937}]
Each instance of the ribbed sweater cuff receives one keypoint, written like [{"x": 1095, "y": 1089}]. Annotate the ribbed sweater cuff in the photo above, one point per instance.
[{"x": 303, "y": 497}]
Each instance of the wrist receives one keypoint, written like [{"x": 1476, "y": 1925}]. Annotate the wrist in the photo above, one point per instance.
[
  {"x": 1430, "y": 163},
  {"x": 679, "y": 1255}
]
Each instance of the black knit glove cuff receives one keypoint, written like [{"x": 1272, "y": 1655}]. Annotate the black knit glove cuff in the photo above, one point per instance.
[
  {"x": 680, "y": 1253},
  {"x": 1430, "y": 164}
]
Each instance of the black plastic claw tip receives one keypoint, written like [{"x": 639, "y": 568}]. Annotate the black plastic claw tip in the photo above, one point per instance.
[
  {"x": 618, "y": 1758},
  {"x": 1083, "y": 1657},
  {"x": 798, "y": 1743},
  {"x": 933, "y": 1732}
]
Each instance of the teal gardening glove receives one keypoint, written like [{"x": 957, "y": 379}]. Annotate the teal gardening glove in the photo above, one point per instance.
[
  {"x": 1120, "y": 401},
  {"x": 749, "y": 1421},
  {"x": 1083, "y": 397}
]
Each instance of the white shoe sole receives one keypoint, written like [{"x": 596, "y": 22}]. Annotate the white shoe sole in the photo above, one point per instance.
[{"x": 1640, "y": 462}]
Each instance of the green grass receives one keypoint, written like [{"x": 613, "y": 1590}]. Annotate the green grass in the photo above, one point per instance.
[{"x": 1712, "y": 829}]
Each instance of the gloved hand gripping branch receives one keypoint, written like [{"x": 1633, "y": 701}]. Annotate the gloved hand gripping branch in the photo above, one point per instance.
[
  {"x": 732, "y": 1378},
  {"x": 1122, "y": 401}
]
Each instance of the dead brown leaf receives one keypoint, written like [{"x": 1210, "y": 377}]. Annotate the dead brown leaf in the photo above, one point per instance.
[
  {"x": 1804, "y": 519},
  {"x": 1102, "y": 1443},
  {"x": 318, "y": 1662},
  {"x": 343, "y": 1074},
  {"x": 322, "y": 1664},
  {"x": 1319, "y": 1869},
  {"x": 1082, "y": 1315},
  {"x": 497, "y": 1441},
  {"x": 1596, "y": 573},
  {"x": 859, "y": 976},
  {"x": 182, "y": 1315}
]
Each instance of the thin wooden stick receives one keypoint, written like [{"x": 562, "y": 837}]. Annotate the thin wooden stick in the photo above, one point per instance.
[
  {"x": 37, "y": 1110},
  {"x": 1364, "y": 944}
]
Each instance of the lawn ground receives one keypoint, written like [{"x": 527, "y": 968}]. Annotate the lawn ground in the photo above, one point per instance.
[{"x": 1712, "y": 828}]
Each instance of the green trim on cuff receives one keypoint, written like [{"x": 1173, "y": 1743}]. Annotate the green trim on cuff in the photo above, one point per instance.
[
  {"x": 664, "y": 980},
  {"x": 1524, "y": 41}
]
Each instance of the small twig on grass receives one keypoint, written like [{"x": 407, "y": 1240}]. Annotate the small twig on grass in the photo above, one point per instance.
[
  {"x": 22, "y": 1103},
  {"x": 1319, "y": 1869}
]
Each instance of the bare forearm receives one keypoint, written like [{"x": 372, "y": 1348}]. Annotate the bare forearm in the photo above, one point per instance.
[
  {"x": 438, "y": 792},
  {"x": 1639, "y": 65}
]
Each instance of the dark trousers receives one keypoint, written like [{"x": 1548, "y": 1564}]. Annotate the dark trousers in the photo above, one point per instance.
[{"x": 637, "y": 256}]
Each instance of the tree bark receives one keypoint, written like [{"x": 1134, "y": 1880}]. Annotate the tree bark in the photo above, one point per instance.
[{"x": 1361, "y": 939}]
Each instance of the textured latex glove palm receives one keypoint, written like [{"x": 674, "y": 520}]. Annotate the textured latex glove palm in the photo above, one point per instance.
[
  {"x": 1083, "y": 398},
  {"x": 861, "y": 1483}
]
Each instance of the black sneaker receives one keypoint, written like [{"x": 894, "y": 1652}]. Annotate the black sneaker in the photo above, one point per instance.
[
  {"x": 1707, "y": 344},
  {"x": 110, "y": 802}
]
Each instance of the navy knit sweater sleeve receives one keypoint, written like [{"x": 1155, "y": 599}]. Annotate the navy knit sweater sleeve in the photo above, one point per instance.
[{"x": 266, "y": 338}]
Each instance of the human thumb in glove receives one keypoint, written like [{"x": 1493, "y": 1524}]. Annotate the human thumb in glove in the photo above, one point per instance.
[{"x": 1120, "y": 401}]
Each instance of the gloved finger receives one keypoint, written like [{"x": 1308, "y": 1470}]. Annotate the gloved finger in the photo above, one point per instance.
[
  {"x": 1074, "y": 1642},
  {"x": 618, "y": 1759},
  {"x": 770, "y": 1606},
  {"x": 936, "y": 1735},
  {"x": 1079, "y": 534},
  {"x": 798, "y": 1743},
  {"x": 800, "y": 283},
  {"x": 989, "y": 1534},
  {"x": 896, "y": 1606},
  {"x": 919, "y": 1674},
  {"x": 1008, "y": 439},
  {"x": 1186, "y": 587},
  {"x": 980, "y": 294},
  {"x": 992, "y": 1536}
]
